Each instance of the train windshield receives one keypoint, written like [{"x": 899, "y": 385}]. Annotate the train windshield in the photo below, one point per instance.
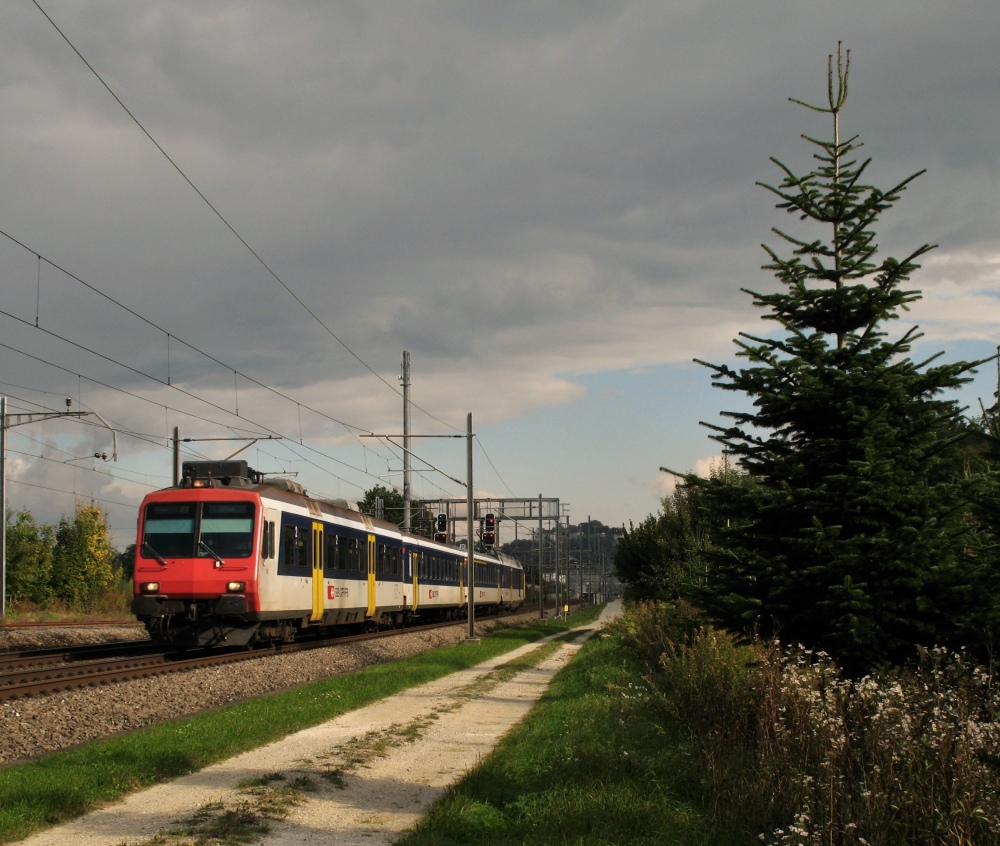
[{"x": 198, "y": 530}]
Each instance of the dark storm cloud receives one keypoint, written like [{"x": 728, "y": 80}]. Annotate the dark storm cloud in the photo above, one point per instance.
[{"x": 539, "y": 191}]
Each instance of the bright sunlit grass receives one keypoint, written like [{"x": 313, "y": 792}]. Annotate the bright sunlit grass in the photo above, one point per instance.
[{"x": 587, "y": 766}]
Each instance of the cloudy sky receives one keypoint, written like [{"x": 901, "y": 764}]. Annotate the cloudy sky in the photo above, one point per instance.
[{"x": 234, "y": 217}]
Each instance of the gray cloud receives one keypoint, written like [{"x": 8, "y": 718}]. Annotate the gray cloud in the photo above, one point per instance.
[{"x": 541, "y": 194}]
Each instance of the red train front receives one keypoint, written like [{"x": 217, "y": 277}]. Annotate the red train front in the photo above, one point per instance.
[{"x": 197, "y": 562}]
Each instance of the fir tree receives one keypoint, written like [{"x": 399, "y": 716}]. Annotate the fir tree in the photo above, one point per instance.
[{"x": 853, "y": 540}]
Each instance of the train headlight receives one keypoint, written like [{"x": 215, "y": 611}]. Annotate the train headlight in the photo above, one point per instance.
[
  {"x": 236, "y": 587},
  {"x": 151, "y": 587}
]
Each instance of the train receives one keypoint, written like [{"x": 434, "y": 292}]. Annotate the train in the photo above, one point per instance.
[{"x": 230, "y": 557}]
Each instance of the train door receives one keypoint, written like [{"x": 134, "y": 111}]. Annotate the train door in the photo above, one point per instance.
[
  {"x": 317, "y": 572},
  {"x": 371, "y": 576},
  {"x": 415, "y": 564}
]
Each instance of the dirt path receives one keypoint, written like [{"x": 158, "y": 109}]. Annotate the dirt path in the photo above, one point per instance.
[{"x": 361, "y": 778}]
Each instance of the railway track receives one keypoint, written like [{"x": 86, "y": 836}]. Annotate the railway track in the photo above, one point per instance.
[{"x": 56, "y": 670}]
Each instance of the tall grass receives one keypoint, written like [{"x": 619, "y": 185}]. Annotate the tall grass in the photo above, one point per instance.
[
  {"x": 111, "y": 604},
  {"x": 792, "y": 753}
]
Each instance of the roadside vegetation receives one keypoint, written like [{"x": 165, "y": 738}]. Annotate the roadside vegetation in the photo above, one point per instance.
[
  {"x": 66, "y": 571},
  {"x": 836, "y": 684},
  {"x": 667, "y": 731}
]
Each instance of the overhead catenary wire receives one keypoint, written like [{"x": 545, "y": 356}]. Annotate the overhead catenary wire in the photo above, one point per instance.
[
  {"x": 351, "y": 429},
  {"x": 169, "y": 335},
  {"x": 249, "y": 434},
  {"x": 168, "y": 382},
  {"x": 227, "y": 224}
]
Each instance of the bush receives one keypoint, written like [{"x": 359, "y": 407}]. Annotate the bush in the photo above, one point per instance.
[
  {"x": 30, "y": 550},
  {"x": 792, "y": 753},
  {"x": 83, "y": 566}
]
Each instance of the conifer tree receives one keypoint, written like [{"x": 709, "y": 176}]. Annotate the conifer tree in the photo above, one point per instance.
[{"x": 853, "y": 539}]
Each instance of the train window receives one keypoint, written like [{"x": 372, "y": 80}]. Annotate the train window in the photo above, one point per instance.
[
  {"x": 226, "y": 529},
  {"x": 302, "y": 549},
  {"x": 331, "y": 552},
  {"x": 206, "y": 530},
  {"x": 295, "y": 542},
  {"x": 267, "y": 544},
  {"x": 169, "y": 529},
  {"x": 352, "y": 554},
  {"x": 288, "y": 545}
]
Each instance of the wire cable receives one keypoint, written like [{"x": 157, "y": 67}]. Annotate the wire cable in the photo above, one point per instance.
[{"x": 225, "y": 222}]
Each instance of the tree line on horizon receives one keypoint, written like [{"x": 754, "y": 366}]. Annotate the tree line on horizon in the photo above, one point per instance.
[{"x": 71, "y": 565}]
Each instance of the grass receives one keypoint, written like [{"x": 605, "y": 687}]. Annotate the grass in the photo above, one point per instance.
[
  {"x": 588, "y": 766},
  {"x": 64, "y": 785},
  {"x": 664, "y": 731}
]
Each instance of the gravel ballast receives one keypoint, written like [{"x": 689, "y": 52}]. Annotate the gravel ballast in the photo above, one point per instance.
[{"x": 43, "y": 724}]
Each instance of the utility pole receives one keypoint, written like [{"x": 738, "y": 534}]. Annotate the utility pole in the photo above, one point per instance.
[
  {"x": 555, "y": 555},
  {"x": 405, "y": 379},
  {"x": 5, "y": 424},
  {"x": 177, "y": 456},
  {"x": 470, "y": 528},
  {"x": 541, "y": 581}
]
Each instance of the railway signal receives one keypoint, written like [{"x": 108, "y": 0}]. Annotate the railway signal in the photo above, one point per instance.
[
  {"x": 490, "y": 530},
  {"x": 441, "y": 528}
]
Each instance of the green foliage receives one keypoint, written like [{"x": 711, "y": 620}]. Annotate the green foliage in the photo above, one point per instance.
[
  {"x": 421, "y": 520},
  {"x": 855, "y": 538},
  {"x": 83, "y": 566},
  {"x": 786, "y": 751},
  {"x": 587, "y": 766},
  {"x": 665, "y": 556},
  {"x": 30, "y": 549},
  {"x": 124, "y": 563}
]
